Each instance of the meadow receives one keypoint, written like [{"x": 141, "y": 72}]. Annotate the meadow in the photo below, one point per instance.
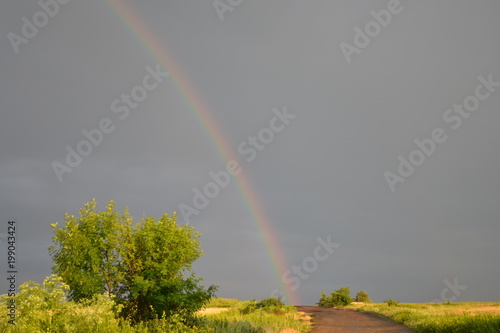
[
  {"x": 46, "y": 308},
  {"x": 40, "y": 311},
  {"x": 266, "y": 316},
  {"x": 466, "y": 317}
]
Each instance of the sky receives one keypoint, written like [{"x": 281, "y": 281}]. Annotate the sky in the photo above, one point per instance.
[{"x": 314, "y": 145}]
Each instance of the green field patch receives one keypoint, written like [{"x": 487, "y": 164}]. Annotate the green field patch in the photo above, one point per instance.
[{"x": 466, "y": 317}]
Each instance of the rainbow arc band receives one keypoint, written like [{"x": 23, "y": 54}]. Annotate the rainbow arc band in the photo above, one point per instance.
[{"x": 155, "y": 47}]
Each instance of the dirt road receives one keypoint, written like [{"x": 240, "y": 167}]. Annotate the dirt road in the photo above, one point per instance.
[{"x": 327, "y": 320}]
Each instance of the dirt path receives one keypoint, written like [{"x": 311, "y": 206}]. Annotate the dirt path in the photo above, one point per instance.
[{"x": 327, "y": 320}]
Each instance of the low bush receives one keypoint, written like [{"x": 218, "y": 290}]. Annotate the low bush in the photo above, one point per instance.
[
  {"x": 362, "y": 296},
  {"x": 391, "y": 302},
  {"x": 268, "y": 305},
  {"x": 340, "y": 297}
]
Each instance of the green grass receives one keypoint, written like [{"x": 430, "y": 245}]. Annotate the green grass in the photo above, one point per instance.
[
  {"x": 217, "y": 302},
  {"x": 36, "y": 314},
  {"x": 466, "y": 317},
  {"x": 246, "y": 317}
]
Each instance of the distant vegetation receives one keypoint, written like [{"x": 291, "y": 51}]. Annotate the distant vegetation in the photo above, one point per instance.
[
  {"x": 362, "y": 296},
  {"x": 342, "y": 297},
  {"x": 391, "y": 302},
  {"x": 467, "y": 317}
]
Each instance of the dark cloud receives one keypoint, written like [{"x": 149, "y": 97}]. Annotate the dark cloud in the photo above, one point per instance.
[{"x": 322, "y": 175}]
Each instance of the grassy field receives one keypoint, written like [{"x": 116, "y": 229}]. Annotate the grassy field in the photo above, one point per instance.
[
  {"x": 38, "y": 310},
  {"x": 248, "y": 317},
  {"x": 217, "y": 302},
  {"x": 467, "y": 317},
  {"x": 50, "y": 312},
  {"x": 220, "y": 315}
]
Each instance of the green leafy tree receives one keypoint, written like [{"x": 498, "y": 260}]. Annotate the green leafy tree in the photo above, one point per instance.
[
  {"x": 362, "y": 296},
  {"x": 146, "y": 267},
  {"x": 86, "y": 254},
  {"x": 341, "y": 297}
]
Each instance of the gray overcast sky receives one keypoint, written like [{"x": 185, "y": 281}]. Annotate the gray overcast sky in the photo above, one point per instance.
[{"x": 323, "y": 175}]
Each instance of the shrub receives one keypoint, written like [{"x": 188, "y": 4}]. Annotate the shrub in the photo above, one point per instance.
[
  {"x": 269, "y": 305},
  {"x": 391, "y": 302},
  {"x": 324, "y": 300},
  {"x": 340, "y": 297},
  {"x": 362, "y": 296},
  {"x": 270, "y": 302},
  {"x": 248, "y": 306}
]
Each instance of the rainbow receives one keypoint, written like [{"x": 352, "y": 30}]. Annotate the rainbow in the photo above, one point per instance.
[{"x": 208, "y": 124}]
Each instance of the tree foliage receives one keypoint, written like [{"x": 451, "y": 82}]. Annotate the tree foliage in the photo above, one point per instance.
[
  {"x": 362, "y": 296},
  {"x": 340, "y": 297},
  {"x": 146, "y": 267},
  {"x": 86, "y": 254}
]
